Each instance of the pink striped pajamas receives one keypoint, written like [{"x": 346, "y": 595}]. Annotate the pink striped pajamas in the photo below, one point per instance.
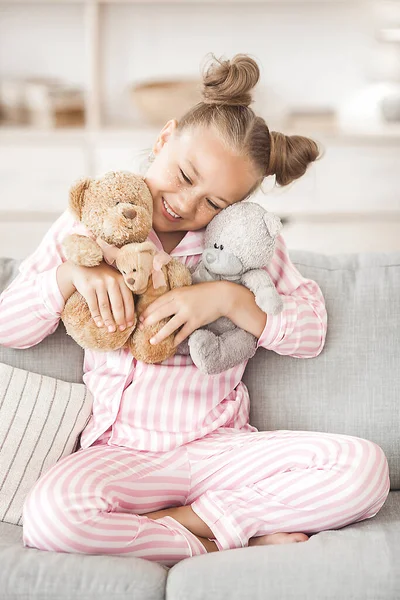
[{"x": 167, "y": 435}]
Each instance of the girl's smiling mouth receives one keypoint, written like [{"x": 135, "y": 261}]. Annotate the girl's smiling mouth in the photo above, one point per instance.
[{"x": 168, "y": 212}]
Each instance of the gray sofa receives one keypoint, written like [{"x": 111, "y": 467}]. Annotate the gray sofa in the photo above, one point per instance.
[{"x": 352, "y": 387}]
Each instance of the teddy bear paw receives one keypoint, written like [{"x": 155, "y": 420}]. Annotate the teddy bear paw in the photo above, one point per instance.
[
  {"x": 204, "y": 350},
  {"x": 269, "y": 301}
]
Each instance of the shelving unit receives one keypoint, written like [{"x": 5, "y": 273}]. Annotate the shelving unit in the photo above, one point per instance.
[{"x": 344, "y": 188}]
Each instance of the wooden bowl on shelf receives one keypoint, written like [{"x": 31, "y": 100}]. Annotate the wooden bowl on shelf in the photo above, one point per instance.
[{"x": 159, "y": 101}]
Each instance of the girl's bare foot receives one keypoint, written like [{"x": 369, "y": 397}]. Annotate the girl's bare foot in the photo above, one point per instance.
[{"x": 278, "y": 538}]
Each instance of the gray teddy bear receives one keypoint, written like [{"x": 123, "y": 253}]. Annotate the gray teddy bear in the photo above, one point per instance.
[{"x": 239, "y": 242}]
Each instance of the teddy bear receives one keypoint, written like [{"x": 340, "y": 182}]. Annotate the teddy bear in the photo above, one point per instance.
[
  {"x": 239, "y": 244},
  {"x": 158, "y": 273},
  {"x": 112, "y": 211},
  {"x": 114, "y": 215}
]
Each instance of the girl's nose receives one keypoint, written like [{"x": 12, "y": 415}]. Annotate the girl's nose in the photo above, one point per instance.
[{"x": 186, "y": 203}]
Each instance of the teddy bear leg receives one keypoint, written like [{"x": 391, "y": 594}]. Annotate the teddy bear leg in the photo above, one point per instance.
[
  {"x": 80, "y": 325},
  {"x": 142, "y": 350},
  {"x": 216, "y": 353}
]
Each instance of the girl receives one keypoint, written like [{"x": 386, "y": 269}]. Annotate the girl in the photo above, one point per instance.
[{"x": 169, "y": 466}]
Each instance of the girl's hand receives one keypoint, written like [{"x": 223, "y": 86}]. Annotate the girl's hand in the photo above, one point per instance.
[
  {"x": 109, "y": 299},
  {"x": 190, "y": 307}
]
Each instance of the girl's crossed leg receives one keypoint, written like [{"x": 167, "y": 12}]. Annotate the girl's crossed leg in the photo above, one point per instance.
[
  {"x": 240, "y": 484},
  {"x": 284, "y": 481},
  {"x": 91, "y": 502}
]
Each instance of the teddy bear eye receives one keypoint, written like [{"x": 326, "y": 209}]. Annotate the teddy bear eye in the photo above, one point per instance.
[
  {"x": 215, "y": 245},
  {"x": 221, "y": 246},
  {"x": 134, "y": 270}
]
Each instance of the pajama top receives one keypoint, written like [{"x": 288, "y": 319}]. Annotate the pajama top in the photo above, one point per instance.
[{"x": 162, "y": 406}]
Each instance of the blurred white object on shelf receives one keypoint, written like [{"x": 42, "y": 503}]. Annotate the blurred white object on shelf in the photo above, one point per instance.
[
  {"x": 55, "y": 105},
  {"x": 41, "y": 102},
  {"x": 364, "y": 109}
]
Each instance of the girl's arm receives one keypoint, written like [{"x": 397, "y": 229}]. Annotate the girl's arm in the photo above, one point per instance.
[
  {"x": 300, "y": 329},
  {"x": 30, "y": 307}
]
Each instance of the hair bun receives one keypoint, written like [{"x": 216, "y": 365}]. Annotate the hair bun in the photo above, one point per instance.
[
  {"x": 290, "y": 156},
  {"x": 230, "y": 81}
]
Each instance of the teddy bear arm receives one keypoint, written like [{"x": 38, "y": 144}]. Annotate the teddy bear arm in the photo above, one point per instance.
[
  {"x": 178, "y": 274},
  {"x": 266, "y": 296},
  {"x": 82, "y": 250}
]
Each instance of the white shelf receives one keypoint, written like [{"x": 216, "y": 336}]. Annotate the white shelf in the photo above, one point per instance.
[{"x": 17, "y": 135}]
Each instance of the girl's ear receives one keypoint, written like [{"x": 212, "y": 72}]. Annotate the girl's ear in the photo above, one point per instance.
[{"x": 164, "y": 135}]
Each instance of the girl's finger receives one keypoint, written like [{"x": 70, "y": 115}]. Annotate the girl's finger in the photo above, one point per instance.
[
  {"x": 93, "y": 304},
  {"x": 104, "y": 306},
  {"x": 160, "y": 301},
  {"x": 117, "y": 303},
  {"x": 183, "y": 334},
  {"x": 162, "y": 312},
  {"x": 129, "y": 303},
  {"x": 168, "y": 328}
]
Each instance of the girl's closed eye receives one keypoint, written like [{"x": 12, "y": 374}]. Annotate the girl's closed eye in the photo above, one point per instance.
[{"x": 188, "y": 180}]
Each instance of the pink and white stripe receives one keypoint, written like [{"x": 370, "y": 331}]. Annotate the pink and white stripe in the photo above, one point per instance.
[
  {"x": 241, "y": 484},
  {"x": 159, "y": 407}
]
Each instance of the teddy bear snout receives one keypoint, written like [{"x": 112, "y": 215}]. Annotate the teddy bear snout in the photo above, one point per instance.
[
  {"x": 129, "y": 213},
  {"x": 210, "y": 257},
  {"x": 131, "y": 281}
]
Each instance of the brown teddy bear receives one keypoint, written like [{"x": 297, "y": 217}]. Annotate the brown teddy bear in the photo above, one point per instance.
[
  {"x": 113, "y": 210},
  {"x": 115, "y": 217}
]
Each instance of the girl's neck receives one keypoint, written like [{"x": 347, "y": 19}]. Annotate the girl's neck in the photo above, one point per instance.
[{"x": 170, "y": 239}]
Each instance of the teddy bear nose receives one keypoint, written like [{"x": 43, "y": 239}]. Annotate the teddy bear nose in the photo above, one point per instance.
[
  {"x": 131, "y": 281},
  {"x": 129, "y": 213},
  {"x": 210, "y": 257}
]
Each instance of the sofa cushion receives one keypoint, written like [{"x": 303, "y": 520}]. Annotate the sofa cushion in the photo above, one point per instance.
[
  {"x": 360, "y": 562},
  {"x": 40, "y": 575},
  {"x": 57, "y": 356},
  {"x": 40, "y": 422},
  {"x": 353, "y": 386}
]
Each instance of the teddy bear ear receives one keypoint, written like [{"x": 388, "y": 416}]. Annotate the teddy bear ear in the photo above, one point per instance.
[
  {"x": 147, "y": 246},
  {"x": 273, "y": 224},
  {"x": 76, "y": 195}
]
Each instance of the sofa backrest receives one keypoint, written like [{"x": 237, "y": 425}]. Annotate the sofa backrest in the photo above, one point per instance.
[{"x": 351, "y": 388}]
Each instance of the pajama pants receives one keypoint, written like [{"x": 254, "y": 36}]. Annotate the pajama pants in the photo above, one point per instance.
[{"x": 241, "y": 484}]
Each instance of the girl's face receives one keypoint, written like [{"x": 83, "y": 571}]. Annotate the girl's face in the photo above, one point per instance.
[{"x": 194, "y": 176}]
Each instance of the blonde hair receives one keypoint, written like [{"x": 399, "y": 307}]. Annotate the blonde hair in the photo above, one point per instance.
[{"x": 226, "y": 91}]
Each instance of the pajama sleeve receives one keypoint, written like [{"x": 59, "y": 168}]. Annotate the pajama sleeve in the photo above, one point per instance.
[
  {"x": 31, "y": 306},
  {"x": 300, "y": 329}
]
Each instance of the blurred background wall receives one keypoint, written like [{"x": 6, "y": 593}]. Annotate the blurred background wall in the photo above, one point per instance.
[{"x": 85, "y": 85}]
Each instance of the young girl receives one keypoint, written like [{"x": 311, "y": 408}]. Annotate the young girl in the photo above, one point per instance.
[{"x": 169, "y": 466}]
